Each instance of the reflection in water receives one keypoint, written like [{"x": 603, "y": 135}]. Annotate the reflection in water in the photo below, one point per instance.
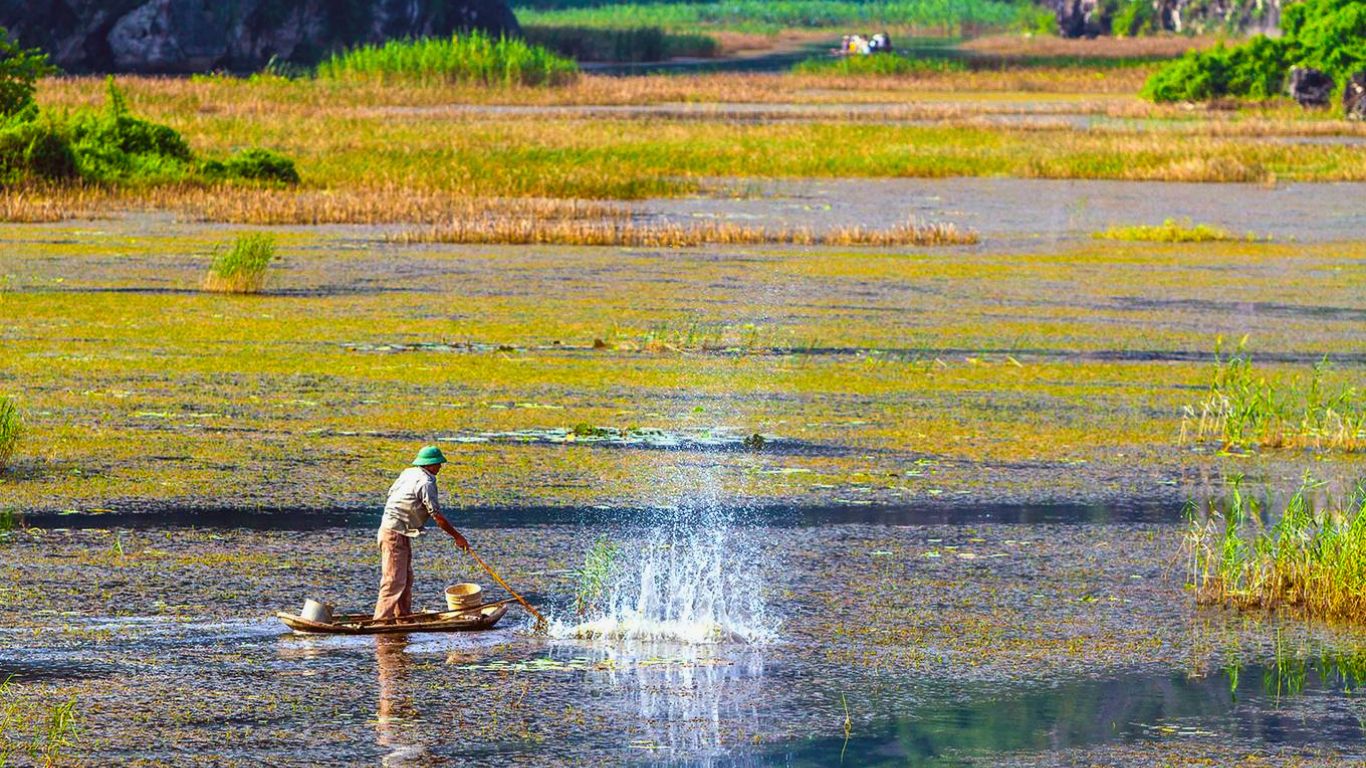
[
  {"x": 396, "y": 718},
  {"x": 688, "y": 702}
]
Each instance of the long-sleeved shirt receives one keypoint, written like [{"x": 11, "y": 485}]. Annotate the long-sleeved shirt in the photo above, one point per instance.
[{"x": 412, "y": 499}]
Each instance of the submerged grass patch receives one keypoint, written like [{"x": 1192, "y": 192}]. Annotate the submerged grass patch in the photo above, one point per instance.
[
  {"x": 1169, "y": 231},
  {"x": 242, "y": 268},
  {"x": 40, "y": 732},
  {"x": 1307, "y": 555},
  {"x": 470, "y": 58},
  {"x": 1246, "y": 409}
]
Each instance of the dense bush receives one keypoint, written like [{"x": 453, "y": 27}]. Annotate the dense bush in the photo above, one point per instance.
[
  {"x": 113, "y": 146},
  {"x": 1325, "y": 34},
  {"x": 254, "y": 165},
  {"x": 474, "y": 58}
]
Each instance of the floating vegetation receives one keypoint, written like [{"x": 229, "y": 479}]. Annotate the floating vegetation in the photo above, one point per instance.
[
  {"x": 1246, "y": 410},
  {"x": 11, "y": 430},
  {"x": 624, "y": 232},
  {"x": 242, "y": 269},
  {"x": 473, "y": 58},
  {"x": 465, "y": 347},
  {"x": 1170, "y": 231},
  {"x": 1311, "y": 559},
  {"x": 631, "y": 437}
]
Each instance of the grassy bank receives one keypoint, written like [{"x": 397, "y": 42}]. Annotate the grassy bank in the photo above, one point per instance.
[
  {"x": 763, "y": 16},
  {"x": 473, "y": 58}
]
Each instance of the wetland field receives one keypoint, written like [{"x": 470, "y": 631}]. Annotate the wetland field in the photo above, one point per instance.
[{"x": 832, "y": 419}]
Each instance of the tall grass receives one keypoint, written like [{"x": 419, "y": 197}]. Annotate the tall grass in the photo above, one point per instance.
[
  {"x": 242, "y": 268},
  {"x": 595, "y": 573},
  {"x": 11, "y": 430},
  {"x": 947, "y": 16},
  {"x": 1307, "y": 556},
  {"x": 1245, "y": 410},
  {"x": 474, "y": 58}
]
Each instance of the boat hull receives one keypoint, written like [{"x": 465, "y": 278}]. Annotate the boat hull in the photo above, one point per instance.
[{"x": 474, "y": 619}]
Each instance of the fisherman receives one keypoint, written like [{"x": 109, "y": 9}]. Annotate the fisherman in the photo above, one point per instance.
[{"x": 412, "y": 499}]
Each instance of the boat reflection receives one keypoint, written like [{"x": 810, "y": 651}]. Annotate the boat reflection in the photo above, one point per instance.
[{"x": 396, "y": 716}]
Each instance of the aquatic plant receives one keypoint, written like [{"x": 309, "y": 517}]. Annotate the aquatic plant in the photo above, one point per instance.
[
  {"x": 595, "y": 574},
  {"x": 1310, "y": 557},
  {"x": 11, "y": 430},
  {"x": 1169, "y": 231},
  {"x": 242, "y": 268},
  {"x": 10, "y": 521},
  {"x": 40, "y": 732},
  {"x": 1245, "y": 409},
  {"x": 473, "y": 58}
]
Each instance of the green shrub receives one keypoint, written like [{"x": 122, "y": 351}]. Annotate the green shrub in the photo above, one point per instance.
[
  {"x": 1325, "y": 34},
  {"x": 474, "y": 58},
  {"x": 254, "y": 165},
  {"x": 35, "y": 149},
  {"x": 115, "y": 145},
  {"x": 11, "y": 430},
  {"x": 242, "y": 268},
  {"x": 20, "y": 70}
]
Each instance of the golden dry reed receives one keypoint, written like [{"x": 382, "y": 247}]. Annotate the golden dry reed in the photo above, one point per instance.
[{"x": 621, "y": 231}]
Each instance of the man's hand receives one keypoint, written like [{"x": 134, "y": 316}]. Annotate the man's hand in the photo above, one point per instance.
[{"x": 448, "y": 528}]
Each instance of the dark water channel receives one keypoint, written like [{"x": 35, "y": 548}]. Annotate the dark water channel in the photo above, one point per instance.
[{"x": 1008, "y": 636}]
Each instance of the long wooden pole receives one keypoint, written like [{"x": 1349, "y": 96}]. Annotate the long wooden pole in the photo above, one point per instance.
[{"x": 540, "y": 620}]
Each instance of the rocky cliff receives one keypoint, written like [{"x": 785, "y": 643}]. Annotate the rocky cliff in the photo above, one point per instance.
[{"x": 180, "y": 36}]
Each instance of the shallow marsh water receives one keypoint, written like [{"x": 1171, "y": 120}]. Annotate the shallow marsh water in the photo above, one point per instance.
[{"x": 968, "y": 643}]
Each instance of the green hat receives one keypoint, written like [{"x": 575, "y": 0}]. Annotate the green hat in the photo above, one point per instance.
[{"x": 428, "y": 456}]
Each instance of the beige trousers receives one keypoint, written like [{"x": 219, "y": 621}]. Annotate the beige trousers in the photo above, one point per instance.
[{"x": 396, "y": 575}]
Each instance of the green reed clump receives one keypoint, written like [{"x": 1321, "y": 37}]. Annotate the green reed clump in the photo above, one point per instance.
[
  {"x": 11, "y": 430},
  {"x": 881, "y": 64},
  {"x": 1245, "y": 552},
  {"x": 10, "y": 521},
  {"x": 595, "y": 574},
  {"x": 1170, "y": 231},
  {"x": 1247, "y": 410},
  {"x": 242, "y": 268},
  {"x": 473, "y": 58}
]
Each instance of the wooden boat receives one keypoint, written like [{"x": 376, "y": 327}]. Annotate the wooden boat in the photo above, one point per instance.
[{"x": 474, "y": 619}]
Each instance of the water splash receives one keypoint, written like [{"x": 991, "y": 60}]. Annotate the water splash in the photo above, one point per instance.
[{"x": 692, "y": 577}]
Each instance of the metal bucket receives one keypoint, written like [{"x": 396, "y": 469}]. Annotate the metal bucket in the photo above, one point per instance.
[
  {"x": 319, "y": 613},
  {"x": 463, "y": 596}
]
